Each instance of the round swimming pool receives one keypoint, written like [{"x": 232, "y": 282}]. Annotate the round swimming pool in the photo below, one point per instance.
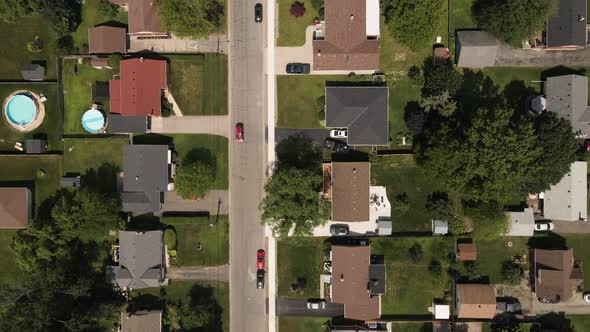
[
  {"x": 21, "y": 110},
  {"x": 93, "y": 121}
]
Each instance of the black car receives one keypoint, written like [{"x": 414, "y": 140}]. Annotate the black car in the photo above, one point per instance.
[
  {"x": 335, "y": 145},
  {"x": 338, "y": 229},
  {"x": 298, "y": 68},
  {"x": 260, "y": 279},
  {"x": 258, "y": 13}
]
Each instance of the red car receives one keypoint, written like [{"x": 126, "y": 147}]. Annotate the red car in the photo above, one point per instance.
[
  {"x": 239, "y": 132},
  {"x": 260, "y": 259}
]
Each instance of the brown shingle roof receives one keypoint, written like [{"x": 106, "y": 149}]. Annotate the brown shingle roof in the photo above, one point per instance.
[
  {"x": 350, "y": 282},
  {"x": 467, "y": 251},
  {"x": 555, "y": 273},
  {"x": 476, "y": 301},
  {"x": 106, "y": 39},
  {"x": 350, "y": 191},
  {"x": 144, "y": 17},
  {"x": 345, "y": 46},
  {"x": 14, "y": 207}
]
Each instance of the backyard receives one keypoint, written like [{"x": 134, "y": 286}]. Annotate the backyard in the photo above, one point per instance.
[
  {"x": 299, "y": 324},
  {"x": 199, "y": 83},
  {"x": 192, "y": 230},
  {"x": 581, "y": 247},
  {"x": 300, "y": 258},
  {"x": 492, "y": 253},
  {"x": 9, "y": 271},
  {"x": 292, "y": 29},
  {"x": 42, "y": 170},
  {"x": 91, "y": 16}
]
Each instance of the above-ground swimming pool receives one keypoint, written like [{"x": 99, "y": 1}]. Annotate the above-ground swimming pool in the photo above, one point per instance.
[
  {"x": 20, "y": 110},
  {"x": 93, "y": 121}
]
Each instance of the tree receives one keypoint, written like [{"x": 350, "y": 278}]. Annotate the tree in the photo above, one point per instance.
[
  {"x": 415, "y": 74},
  {"x": 190, "y": 18},
  {"x": 440, "y": 78},
  {"x": 442, "y": 104},
  {"x": 414, "y": 117},
  {"x": 317, "y": 4},
  {"x": 489, "y": 220},
  {"x": 170, "y": 238},
  {"x": 439, "y": 207},
  {"x": 513, "y": 21},
  {"x": 401, "y": 203},
  {"x": 107, "y": 8},
  {"x": 11, "y": 10},
  {"x": 511, "y": 273},
  {"x": 292, "y": 202},
  {"x": 297, "y": 9},
  {"x": 435, "y": 268},
  {"x": 416, "y": 252},
  {"x": 471, "y": 270},
  {"x": 194, "y": 178},
  {"x": 64, "y": 15},
  {"x": 35, "y": 45},
  {"x": 413, "y": 22}
]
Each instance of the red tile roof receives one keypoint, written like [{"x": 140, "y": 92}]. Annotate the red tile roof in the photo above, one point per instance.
[
  {"x": 139, "y": 90},
  {"x": 106, "y": 39}
]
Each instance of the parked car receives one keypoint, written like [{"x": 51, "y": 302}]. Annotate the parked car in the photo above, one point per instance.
[
  {"x": 339, "y": 133},
  {"x": 258, "y": 13},
  {"x": 260, "y": 259},
  {"x": 586, "y": 297},
  {"x": 260, "y": 279},
  {"x": 335, "y": 145},
  {"x": 337, "y": 229},
  {"x": 239, "y": 132},
  {"x": 298, "y": 68},
  {"x": 544, "y": 226},
  {"x": 587, "y": 145},
  {"x": 316, "y": 304}
]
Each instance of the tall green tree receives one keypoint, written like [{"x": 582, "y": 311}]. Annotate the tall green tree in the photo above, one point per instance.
[
  {"x": 11, "y": 10},
  {"x": 292, "y": 202},
  {"x": 413, "y": 22},
  {"x": 440, "y": 79},
  {"x": 191, "y": 18},
  {"x": 64, "y": 15},
  {"x": 194, "y": 178},
  {"x": 513, "y": 21}
]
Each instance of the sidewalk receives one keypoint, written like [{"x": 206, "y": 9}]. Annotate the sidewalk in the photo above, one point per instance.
[
  {"x": 191, "y": 124},
  {"x": 213, "y": 44}
]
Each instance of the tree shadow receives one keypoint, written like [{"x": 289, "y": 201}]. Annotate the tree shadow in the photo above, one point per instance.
[
  {"x": 205, "y": 297},
  {"x": 414, "y": 116},
  {"x": 146, "y": 302},
  {"x": 561, "y": 70},
  {"x": 301, "y": 152},
  {"x": 550, "y": 241},
  {"x": 102, "y": 180},
  {"x": 517, "y": 94},
  {"x": 144, "y": 222},
  {"x": 555, "y": 322},
  {"x": 153, "y": 139},
  {"x": 476, "y": 90}
]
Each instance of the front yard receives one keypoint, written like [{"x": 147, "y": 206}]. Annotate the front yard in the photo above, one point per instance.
[
  {"x": 301, "y": 258},
  {"x": 9, "y": 272},
  {"x": 292, "y": 29}
]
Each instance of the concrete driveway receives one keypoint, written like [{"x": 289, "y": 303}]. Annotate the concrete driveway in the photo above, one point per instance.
[
  {"x": 215, "y": 202},
  {"x": 213, "y": 44},
  {"x": 191, "y": 124},
  {"x": 508, "y": 56},
  {"x": 571, "y": 227},
  {"x": 298, "y": 307}
]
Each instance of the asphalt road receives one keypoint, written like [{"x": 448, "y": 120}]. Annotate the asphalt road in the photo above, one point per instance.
[
  {"x": 298, "y": 307},
  {"x": 247, "y": 165}
]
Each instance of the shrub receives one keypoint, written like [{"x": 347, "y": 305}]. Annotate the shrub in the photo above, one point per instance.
[
  {"x": 413, "y": 22},
  {"x": 297, "y": 9},
  {"x": 35, "y": 46},
  {"x": 416, "y": 252},
  {"x": 108, "y": 8},
  {"x": 170, "y": 238},
  {"x": 194, "y": 178},
  {"x": 511, "y": 272},
  {"x": 114, "y": 61},
  {"x": 401, "y": 203},
  {"x": 435, "y": 268}
]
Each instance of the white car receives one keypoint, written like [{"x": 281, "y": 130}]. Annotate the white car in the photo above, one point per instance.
[
  {"x": 338, "y": 133},
  {"x": 544, "y": 226},
  {"x": 316, "y": 304},
  {"x": 587, "y": 297}
]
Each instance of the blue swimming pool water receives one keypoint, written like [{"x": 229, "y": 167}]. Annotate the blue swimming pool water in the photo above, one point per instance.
[
  {"x": 21, "y": 110},
  {"x": 93, "y": 121}
]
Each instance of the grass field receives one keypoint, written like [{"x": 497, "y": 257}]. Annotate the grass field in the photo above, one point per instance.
[
  {"x": 491, "y": 254},
  {"x": 579, "y": 323},
  {"x": 42, "y": 170},
  {"x": 50, "y": 126},
  {"x": 291, "y": 28},
  {"x": 199, "y": 83},
  {"x": 193, "y": 230},
  {"x": 300, "y": 258},
  {"x": 91, "y": 16},
  {"x": 300, "y": 324},
  {"x": 411, "y": 327},
  {"x": 460, "y": 17},
  {"x": 9, "y": 272},
  {"x": 581, "y": 247}
]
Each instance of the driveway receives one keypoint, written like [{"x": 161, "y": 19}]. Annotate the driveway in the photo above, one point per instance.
[
  {"x": 219, "y": 273},
  {"x": 298, "y": 307},
  {"x": 571, "y": 227},
  {"x": 215, "y": 202},
  {"x": 573, "y": 306},
  {"x": 508, "y": 56},
  {"x": 316, "y": 135},
  {"x": 213, "y": 44},
  {"x": 191, "y": 124}
]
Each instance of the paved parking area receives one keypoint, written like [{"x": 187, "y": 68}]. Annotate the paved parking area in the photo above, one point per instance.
[{"x": 298, "y": 307}]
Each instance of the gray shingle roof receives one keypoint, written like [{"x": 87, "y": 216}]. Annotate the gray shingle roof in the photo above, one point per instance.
[
  {"x": 567, "y": 200},
  {"x": 32, "y": 72},
  {"x": 35, "y": 146},
  {"x": 567, "y": 96},
  {"x": 126, "y": 124},
  {"x": 476, "y": 49},
  {"x": 364, "y": 110},
  {"x": 568, "y": 27}
]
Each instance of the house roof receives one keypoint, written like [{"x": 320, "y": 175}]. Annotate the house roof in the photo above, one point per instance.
[
  {"x": 521, "y": 223},
  {"x": 568, "y": 27},
  {"x": 32, "y": 72},
  {"x": 15, "y": 207},
  {"x": 144, "y": 16},
  {"x": 141, "y": 321},
  {"x": 476, "y": 49},
  {"x": 567, "y": 96},
  {"x": 555, "y": 273},
  {"x": 377, "y": 278},
  {"x": 467, "y": 251},
  {"x": 567, "y": 200},
  {"x": 35, "y": 146},
  {"x": 345, "y": 45},
  {"x": 350, "y": 191},
  {"x": 476, "y": 301},
  {"x": 364, "y": 110},
  {"x": 139, "y": 90},
  {"x": 126, "y": 124},
  {"x": 141, "y": 260},
  {"x": 350, "y": 281},
  {"x": 106, "y": 39}
]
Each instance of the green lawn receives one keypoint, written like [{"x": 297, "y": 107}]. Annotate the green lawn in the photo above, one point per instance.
[
  {"x": 199, "y": 83},
  {"x": 411, "y": 327},
  {"x": 91, "y": 17},
  {"x": 213, "y": 146},
  {"x": 300, "y": 324},
  {"x": 581, "y": 247},
  {"x": 579, "y": 323},
  {"x": 460, "y": 18},
  {"x": 300, "y": 258},
  {"x": 78, "y": 93},
  {"x": 9, "y": 272},
  {"x": 492, "y": 253},
  {"x": 193, "y": 230},
  {"x": 405, "y": 293},
  {"x": 401, "y": 175},
  {"x": 42, "y": 170},
  {"x": 292, "y": 29},
  {"x": 50, "y": 126},
  {"x": 14, "y": 53},
  {"x": 401, "y": 92}
]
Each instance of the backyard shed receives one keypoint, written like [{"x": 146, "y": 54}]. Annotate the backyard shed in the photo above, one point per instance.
[
  {"x": 36, "y": 146},
  {"x": 107, "y": 39},
  {"x": 521, "y": 223},
  {"x": 384, "y": 227},
  {"x": 32, "y": 72},
  {"x": 15, "y": 207},
  {"x": 440, "y": 227},
  {"x": 475, "y": 49},
  {"x": 467, "y": 251}
]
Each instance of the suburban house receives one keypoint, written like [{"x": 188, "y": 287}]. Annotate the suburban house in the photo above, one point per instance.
[
  {"x": 144, "y": 17},
  {"x": 107, "y": 40},
  {"x": 476, "y": 301},
  {"x": 567, "y": 29},
  {"x": 466, "y": 251},
  {"x": 567, "y": 200},
  {"x": 348, "y": 39},
  {"x": 521, "y": 223},
  {"x": 567, "y": 96},
  {"x": 141, "y": 321},
  {"x": 15, "y": 207},
  {"x": 356, "y": 282},
  {"x": 556, "y": 275},
  {"x": 32, "y": 72},
  {"x": 142, "y": 260},
  {"x": 146, "y": 174},
  {"x": 475, "y": 49},
  {"x": 362, "y": 110}
]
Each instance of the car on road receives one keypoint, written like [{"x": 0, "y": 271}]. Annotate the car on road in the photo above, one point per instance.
[
  {"x": 338, "y": 230},
  {"x": 260, "y": 259},
  {"x": 316, "y": 304},
  {"x": 339, "y": 133},
  {"x": 298, "y": 68},
  {"x": 543, "y": 226},
  {"x": 258, "y": 13},
  {"x": 260, "y": 279},
  {"x": 239, "y": 132},
  {"x": 335, "y": 145}
]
